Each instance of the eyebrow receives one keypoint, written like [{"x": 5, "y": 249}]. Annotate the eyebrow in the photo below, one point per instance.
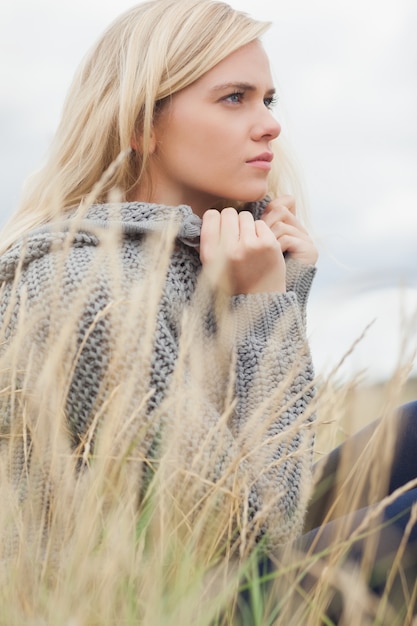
[{"x": 240, "y": 87}]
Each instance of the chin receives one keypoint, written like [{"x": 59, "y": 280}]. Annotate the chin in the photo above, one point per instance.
[
  {"x": 256, "y": 192},
  {"x": 255, "y": 197}
]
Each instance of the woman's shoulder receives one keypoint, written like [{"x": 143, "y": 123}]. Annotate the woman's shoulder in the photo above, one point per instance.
[
  {"x": 39, "y": 247},
  {"x": 106, "y": 236}
]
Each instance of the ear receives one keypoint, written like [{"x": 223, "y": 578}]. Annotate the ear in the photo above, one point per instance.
[
  {"x": 136, "y": 142},
  {"x": 152, "y": 142}
]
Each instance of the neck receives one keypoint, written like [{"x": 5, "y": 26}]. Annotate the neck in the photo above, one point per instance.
[{"x": 199, "y": 203}]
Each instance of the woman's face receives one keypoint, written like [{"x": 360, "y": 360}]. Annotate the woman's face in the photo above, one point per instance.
[{"x": 212, "y": 140}]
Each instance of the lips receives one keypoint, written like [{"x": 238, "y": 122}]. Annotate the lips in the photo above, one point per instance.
[
  {"x": 262, "y": 162},
  {"x": 265, "y": 156}
]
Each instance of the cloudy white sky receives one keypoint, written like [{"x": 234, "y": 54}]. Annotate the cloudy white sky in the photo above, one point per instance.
[{"x": 346, "y": 73}]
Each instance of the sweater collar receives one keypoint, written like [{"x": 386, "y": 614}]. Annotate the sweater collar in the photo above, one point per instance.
[
  {"x": 131, "y": 219},
  {"x": 139, "y": 218}
]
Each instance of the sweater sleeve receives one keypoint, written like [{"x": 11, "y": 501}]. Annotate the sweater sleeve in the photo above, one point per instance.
[
  {"x": 299, "y": 279},
  {"x": 249, "y": 427},
  {"x": 274, "y": 409}
]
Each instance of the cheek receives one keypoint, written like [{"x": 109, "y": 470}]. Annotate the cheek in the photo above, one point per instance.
[
  {"x": 202, "y": 139},
  {"x": 200, "y": 146},
  {"x": 184, "y": 136}
]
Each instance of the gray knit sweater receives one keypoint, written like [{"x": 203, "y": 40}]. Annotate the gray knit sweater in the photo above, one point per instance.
[{"x": 223, "y": 387}]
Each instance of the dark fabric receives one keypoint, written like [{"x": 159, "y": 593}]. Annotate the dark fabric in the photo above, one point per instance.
[
  {"x": 401, "y": 468},
  {"x": 385, "y": 533},
  {"x": 391, "y": 536}
]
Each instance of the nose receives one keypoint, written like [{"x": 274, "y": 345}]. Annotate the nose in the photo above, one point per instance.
[{"x": 266, "y": 126}]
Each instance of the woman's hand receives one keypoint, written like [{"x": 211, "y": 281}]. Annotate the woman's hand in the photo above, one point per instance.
[
  {"x": 241, "y": 255},
  {"x": 280, "y": 216}
]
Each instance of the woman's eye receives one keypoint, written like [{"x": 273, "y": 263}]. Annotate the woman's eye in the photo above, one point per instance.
[
  {"x": 270, "y": 102},
  {"x": 235, "y": 97}
]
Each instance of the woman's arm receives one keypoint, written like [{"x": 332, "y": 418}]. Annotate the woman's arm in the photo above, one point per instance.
[{"x": 267, "y": 440}]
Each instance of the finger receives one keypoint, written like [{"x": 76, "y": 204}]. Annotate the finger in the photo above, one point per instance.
[
  {"x": 276, "y": 211},
  {"x": 301, "y": 249},
  {"x": 289, "y": 202},
  {"x": 291, "y": 244},
  {"x": 229, "y": 226},
  {"x": 263, "y": 231},
  {"x": 283, "y": 202},
  {"x": 281, "y": 228},
  {"x": 246, "y": 226},
  {"x": 210, "y": 233},
  {"x": 287, "y": 205},
  {"x": 280, "y": 214}
]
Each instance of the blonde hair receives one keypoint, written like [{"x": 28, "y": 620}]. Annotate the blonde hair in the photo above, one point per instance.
[{"x": 149, "y": 53}]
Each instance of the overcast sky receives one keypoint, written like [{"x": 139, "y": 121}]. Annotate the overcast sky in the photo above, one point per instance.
[{"x": 346, "y": 75}]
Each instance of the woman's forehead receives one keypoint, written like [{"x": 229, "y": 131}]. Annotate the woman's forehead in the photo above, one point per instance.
[{"x": 247, "y": 66}]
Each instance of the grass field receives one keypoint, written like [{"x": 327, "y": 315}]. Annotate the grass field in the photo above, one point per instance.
[{"x": 78, "y": 550}]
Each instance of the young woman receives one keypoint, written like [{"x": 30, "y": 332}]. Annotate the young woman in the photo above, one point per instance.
[
  {"x": 168, "y": 126},
  {"x": 161, "y": 227}
]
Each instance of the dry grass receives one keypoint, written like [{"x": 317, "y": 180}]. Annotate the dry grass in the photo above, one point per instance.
[{"x": 76, "y": 547}]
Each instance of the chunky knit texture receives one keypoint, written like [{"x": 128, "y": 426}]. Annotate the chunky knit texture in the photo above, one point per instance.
[{"x": 224, "y": 386}]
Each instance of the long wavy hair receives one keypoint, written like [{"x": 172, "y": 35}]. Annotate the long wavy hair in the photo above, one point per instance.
[{"x": 150, "y": 52}]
